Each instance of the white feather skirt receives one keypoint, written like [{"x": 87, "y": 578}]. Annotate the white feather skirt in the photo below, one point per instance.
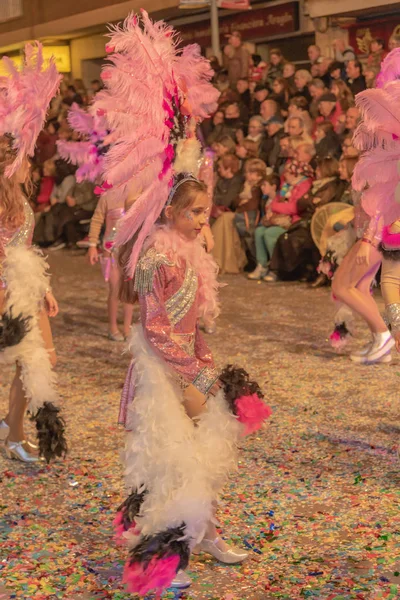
[
  {"x": 181, "y": 464},
  {"x": 25, "y": 272}
]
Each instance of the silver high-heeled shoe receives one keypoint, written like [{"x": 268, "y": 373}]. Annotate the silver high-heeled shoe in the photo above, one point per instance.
[
  {"x": 4, "y": 431},
  {"x": 229, "y": 557},
  {"x": 16, "y": 451}
]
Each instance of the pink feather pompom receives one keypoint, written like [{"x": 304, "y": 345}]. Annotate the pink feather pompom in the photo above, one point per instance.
[
  {"x": 337, "y": 341},
  {"x": 157, "y": 576},
  {"x": 119, "y": 528},
  {"x": 252, "y": 412}
]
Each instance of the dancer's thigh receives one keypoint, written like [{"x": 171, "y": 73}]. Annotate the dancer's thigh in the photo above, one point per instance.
[{"x": 350, "y": 273}]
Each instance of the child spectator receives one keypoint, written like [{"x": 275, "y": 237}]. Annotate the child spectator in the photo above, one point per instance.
[
  {"x": 258, "y": 69},
  {"x": 228, "y": 185},
  {"x": 280, "y": 88},
  {"x": 247, "y": 210},
  {"x": 225, "y": 145},
  {"x": 45, "y": 188}
]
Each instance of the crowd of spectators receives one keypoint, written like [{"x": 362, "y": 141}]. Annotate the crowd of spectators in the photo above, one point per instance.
[
  {"x": 282, "y": 148},
  {"x": 62, "y": 206}
]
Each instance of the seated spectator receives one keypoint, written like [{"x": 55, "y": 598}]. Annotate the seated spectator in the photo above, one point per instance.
[
  {"x": 282, "y": 212},
  {"x": 343, "y": 94},
  {"x": 222, "y": 80},
  {"x": 348, "y": 148},
  {"x": 289, "y": 69},
  {"x": 370, "y": 77},
  {"x": 269, "y": 109},
  {"x": 377, "y": 54},
  {"x": 346, "y": 168},
  {"x": 314, "y": 54},
  {"x": 336, "y": 71},
  {"x": 297, "y": 133},
  {"x": 45, "y": 187},
  {"x": 356, "y": 79},
  {"x": 81, "y": 90},
  {"x": 269, "y": 187},
  {"x": 232, "y": 122},
  {"x": 327, "y": 141},
  {"x": 394, "y": 41},
  {"x": 343, "y": 52},
  {"x": 270, "y": 149},
  {"x": 351, "y": 120},
  {"x": 280, "y": 88},
  {"x": 277, "y": 62},
  {"x": 247, "y": 149},
  {"x": 255, "y": 129},
  {"x": 261, "y": 93},
  {"x": 79, "y": 204},
  {"x": 247, "y": 210},
  {"x": 295, "y": 253},
  {"x": 285, "y": 154},
  {"x": 207, "y": 126},
  {"x": 329, "y": 109},
  {"x": 228, "y": 185},
  {"x": 324, "y": 71},
  {"x": 301, "y": 80},
  {"x": 317, "y": 89},
  {"x": 305, "y": 153},
  {"x": 46, "y": 145},
  {"x": 258, "y": 68},
  {"x": 72, "y": 96},
  {"x": 298, "y": 108},
  {"x": 226, "y": 145},
  {"x": 242, "y": 87}
]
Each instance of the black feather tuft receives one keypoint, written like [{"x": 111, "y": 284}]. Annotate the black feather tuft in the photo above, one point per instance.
[
  {"x": 50, "y": 432},
  {"x": 130, "y": 508},
  {"x": 236, "y": 383},
  {"x": 162, "y": 545},
  {"x": 12, "y": 329}
]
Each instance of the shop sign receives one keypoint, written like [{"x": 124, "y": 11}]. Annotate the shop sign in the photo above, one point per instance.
[
  {"x": 255, "y": 24},
  {"x": 360, "y": 35}
]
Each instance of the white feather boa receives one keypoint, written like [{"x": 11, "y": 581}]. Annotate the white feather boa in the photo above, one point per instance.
[
  {"x": 25, "y": 272},
  {"x": 183, "y": 467}
]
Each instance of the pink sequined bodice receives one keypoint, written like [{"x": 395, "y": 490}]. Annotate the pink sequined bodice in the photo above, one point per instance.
[{"x": 22, "y": 236}]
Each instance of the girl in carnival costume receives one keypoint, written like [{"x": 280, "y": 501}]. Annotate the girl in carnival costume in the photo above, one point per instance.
[
  {"x": 378, "y": 136},
  {"x": 375, "y": 176},
  {"x": 183, "y": 418},
  {"x": 88, "y": 154},
  {"x": 25, "y": 338}
]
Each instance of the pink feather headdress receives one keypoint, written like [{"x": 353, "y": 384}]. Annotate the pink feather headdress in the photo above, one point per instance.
[
  {"x": 377, "y": 172},
  {"x": 24, "y": 99},
  {"x": 153, "y": 95},
  {"x": 88, "y": 153}
]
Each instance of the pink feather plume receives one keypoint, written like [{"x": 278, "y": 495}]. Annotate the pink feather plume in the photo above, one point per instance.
[
  {"x": 252, "y": 412},
  {"x": 24, "y": 100},
  {"x": 156, "y": 577}
]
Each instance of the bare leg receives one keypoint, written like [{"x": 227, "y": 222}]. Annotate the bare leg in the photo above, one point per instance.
[
  {"x": 128, "y": 316},
  {"x": 113, "y": 285},
  {"x": 18, "y": 402},
  {"x": 351, "y": 285}
]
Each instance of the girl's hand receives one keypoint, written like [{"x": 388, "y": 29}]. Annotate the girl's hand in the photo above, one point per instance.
[
  {"x": 316, "y": 200},
  {"x": 363, "y": 254},
  {"x": 93, "y": 255},
  {"x": 397, "y": 339},
  {"x": 51, "y": 304}
]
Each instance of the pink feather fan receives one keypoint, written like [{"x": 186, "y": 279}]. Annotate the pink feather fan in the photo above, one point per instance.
[
  {"x": 378, "y": 136},
  {"x": 24, "y": 99},
  {"x": 88, "y": 154}
]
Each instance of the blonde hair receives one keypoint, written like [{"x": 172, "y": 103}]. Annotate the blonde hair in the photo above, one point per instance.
[
  {"x": 184, "y": 197},
  {"x": 306, "y": 75},
  {"x": 11, "y": 198},
  {"x": 255, "y": 164}
]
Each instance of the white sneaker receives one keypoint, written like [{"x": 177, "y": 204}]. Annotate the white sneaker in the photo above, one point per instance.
[
  {"x": 379, "y": 348},
  {"x": 258, "y": 273},
  {"x": 181, "y": 581},
  {"x": 271, "y": 277}
]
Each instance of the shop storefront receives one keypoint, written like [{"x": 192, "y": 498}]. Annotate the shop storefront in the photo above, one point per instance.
[
  {"x": 361, "y": 34},
  {"x": 267, "y": 26}
]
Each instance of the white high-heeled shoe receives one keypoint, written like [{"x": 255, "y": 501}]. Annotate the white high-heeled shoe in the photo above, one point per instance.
[
  {"x": 229, "y": 557},
  {"x": 4, "y": 431},
  {"x": 17, "y": 451}
]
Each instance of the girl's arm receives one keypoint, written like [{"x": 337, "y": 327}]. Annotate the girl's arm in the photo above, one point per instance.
[
  {"x": 157, "y": 327},
  {"x": 97, "y": 221}
]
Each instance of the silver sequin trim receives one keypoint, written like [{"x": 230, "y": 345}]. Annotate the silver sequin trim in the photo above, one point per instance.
[
  {"x": 180, "y": 303},
  {"x": 393, "y": 314},
  {"x": 145, "y": 270},
  {"x": 205, "y": 380}
]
